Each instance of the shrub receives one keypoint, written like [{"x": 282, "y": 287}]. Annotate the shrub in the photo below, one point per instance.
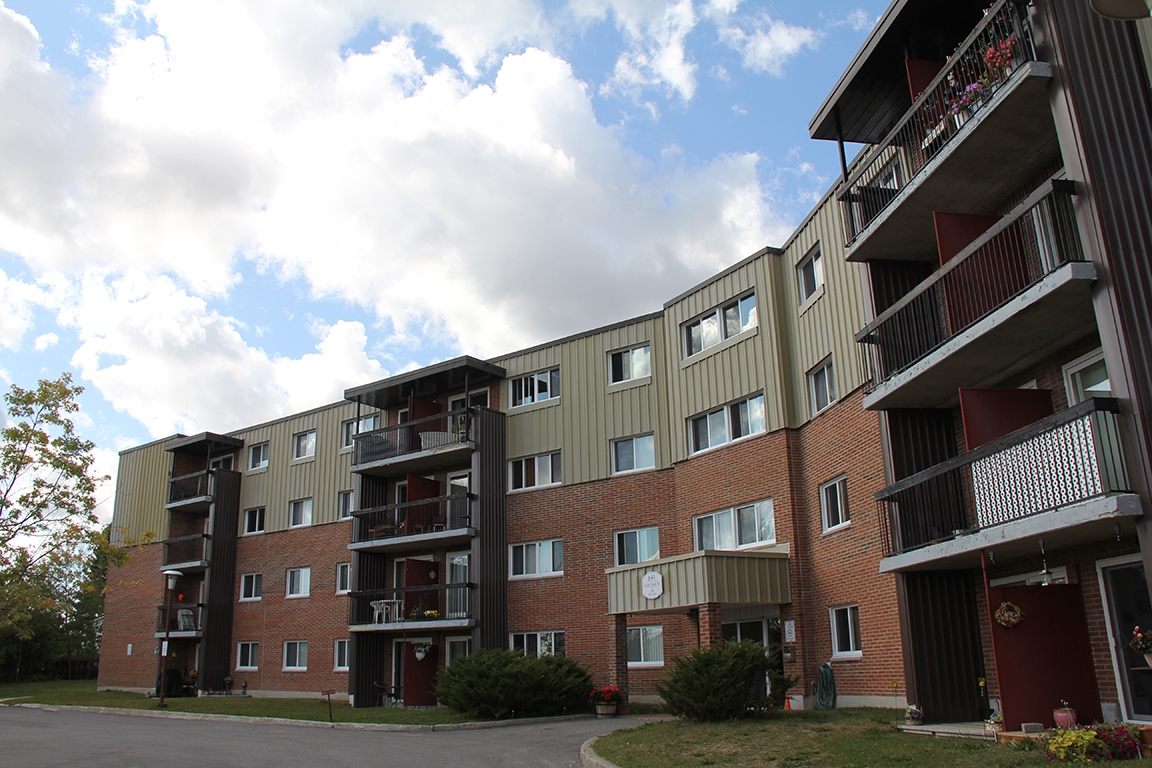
[
  {"x": 1095, "y": 743},
  {"x": 724, "y": 682},
  {"x": 501, "y": 684}
]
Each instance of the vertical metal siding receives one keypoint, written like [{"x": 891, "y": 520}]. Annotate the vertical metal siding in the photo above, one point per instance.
[
  {"x": 141, "y": 493},
  {"x": 221, "y": 577},
  {"x": 489, "y": 548}
]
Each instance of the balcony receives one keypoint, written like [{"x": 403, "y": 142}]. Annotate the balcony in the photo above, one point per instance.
[
  {"x": 188, "y": 554},
  {"x": 425, "y": 608},
  {"x": 191, "y": 493},
  {"x": 1062, "y": 478},
  {"x": 723, "y": 577},
  {"x": 979, "y": 130},
  {"x": 1016, "y": 292},
  {"x": 440, "y": 522},
  {"x": 420, "y": 446},
  {"x": 187, "y": 621}
]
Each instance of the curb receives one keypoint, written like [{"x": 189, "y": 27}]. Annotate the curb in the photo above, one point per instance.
[
  {"x": 396, "y": 727},
  {"x": 589, "y": 757}
]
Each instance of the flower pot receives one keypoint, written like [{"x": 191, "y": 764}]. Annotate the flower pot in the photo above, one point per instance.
[
  {"x": 1065, "y": 717},
  {"x": 993, "y": 727},
  {"x": 1148, "y": 659},
  {"x": 1146, "y": 734},
  {"x": 914, "y": 720},
  {"x": 606, "y": 710}
]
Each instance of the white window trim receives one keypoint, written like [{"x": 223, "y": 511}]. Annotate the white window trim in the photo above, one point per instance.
[
  {"x": 648, "y": 664},
  {"x": 346, "y": 448},
  {"x": 248, "y": 668},
  {"x": 538, "y": 486},
  {"x": 311, "y": 510},
  {"x": 1113, "y": 631},
  {"x": 718, "y": 311},
  {"x": 251, "y": 470},
  {"x": 633, "y": 438},
  {"x": 448, "y": 646},
  {"x": 315, "y": 442},
  {"x": 536, "y": 403},
  {"x": 351, "y": 494},
  {"x": 288, "y": 580},
  {"x": 1057, "y": 575},
  {"x": 633, "y": 381},
  {"x": 251, "y": 599},
  {"x": 736, "y": 526},
  {"x": 616, "y": 545},
  {"x": 285, "y": 667},
  {"x": 262, "y": 530},
  {"x": 553, "y": 632},
  {"x": 537, "y": 574},
  {"x": 830, "y": 384},
  {"x": 841, "y": 655},
  {"x": 728, "y": 423},
  {"x": 1071, "y": 368},
  {"x": 347, "y": 654},
  {"x": 842, "y": 497},
  {"x": 813, "y": 254},
  {"x": 339, "y": 566}
]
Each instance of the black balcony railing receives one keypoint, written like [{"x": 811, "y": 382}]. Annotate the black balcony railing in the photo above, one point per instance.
[
  {"x": 999, "y": 265},
  {"x": 186, "y": 617},
  {"x": 191, "y": 486},
  {"x": 444, "y": 513},
  {"x": 999, "y": 45},
  {"x": 445, "y": 429},
  {"x": 186, "y": 549},
  {"x": 432, "y": 602},
  {"x": 1067, "y": 458}
]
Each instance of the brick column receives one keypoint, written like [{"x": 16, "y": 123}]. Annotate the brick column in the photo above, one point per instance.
[
  {"x": 709, "y": 624},
  {"x": 618, "y": 659}
]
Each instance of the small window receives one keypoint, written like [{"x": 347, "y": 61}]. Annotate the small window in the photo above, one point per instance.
[
  {"x": 810, "y": 274},
  {"x": 248, "y": 656},
  {"x": 535, "y": 471},
  {"x": 845, "y": 631},
  {"x": 223, "y": 462},
  {"x": 348, "y": 428},
  {"x": 536, "y": 387},
  {"x": 822, "y": 386},
  {"x": 343, "y": 578},
  {"x": 719, "y": 324},
  {"x": 1087, "y": 377},
  {"x": 538, "y": 558},
  {"x": 634, "y": 453},
  {"x": 346, "y": 502},
  {"x": 646, "y": 646},
  {"x": 254, "y": 520},
  {"x": 743, "y": 526},
  {"x": 638, "y": 546},
  {"x": 304, "y": 445},
  {"x": 834, "y": 503},
  {"x": 298, "y": 582},
  {"x": 723, "y": 425},
  {"x": 251, "y": 586},
  {"x": 458, "y": 648},
  {"x": 300, "y": 513},
  {"x": 296, "y": 655},
  {"x": 628, "y": 364},
  {"x": 258, "y": 456},
  {"x": 538, "y": 643},
  {"x": 476, "y": 400},
  {"x": 340, "y": 656}
]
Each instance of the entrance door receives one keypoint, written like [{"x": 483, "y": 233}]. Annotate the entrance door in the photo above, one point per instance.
[
  {"x": 420, "y": 675},
  {"x": 1126, "y": 592},
  {"x": 419, "y": 573}
]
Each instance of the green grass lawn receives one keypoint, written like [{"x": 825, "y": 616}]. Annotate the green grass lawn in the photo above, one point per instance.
[
  {"x": 847, "y": 738},
  {"x": 83, "y": 693}
]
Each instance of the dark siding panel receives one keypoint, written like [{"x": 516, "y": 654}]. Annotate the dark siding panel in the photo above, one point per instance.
[
  {"x": 367, "y": 650},
  {"x": 490, "y": 548},
  {"x": 217, "y": 661},
  {"x": 891, "y": 280},
  {"x": 920, "y": 438}
]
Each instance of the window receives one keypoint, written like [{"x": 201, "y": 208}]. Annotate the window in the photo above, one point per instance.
[
  {"x": 296, "y": 654},
  {"x": 346, "y": 503},
  {"x": 299, "y": 513},
  {"x": 539, "y": 643},
  {"x": 348, "y": 428},
  {"x": 223, "y": 462},
  {"x": 304, "y": 445},
  {"x": 810, "y": 274},
  {"x": 258, "y": 456},
  {"x": 1087, "y": 377},
  {"x": 726, "y": 424},
  {"x": 458, "y": 648},
  {"x": 630, "y": 364},
  {"x": 340, "y": 656},
  {"x": 476, "y": 400},
  {"x": 845, "y": 631},
  {"x": 251, "y": 586},
  {"x": 298, "y": 582},
  {"x": 538, "y": 558},
  {"x": 719, "y": 324},
  {"x": 646, "y": 646},
  {"x": 343, "y": 578},
  {"x": 536, "y": 387},
  {"x": 536, "y": 470},
  {"x": 638, "y": 546},
  {"x": 247, "y": 655},
  {"x": 743, "y": 526},
  {"x": 834, "y": 503},
  {"x": 254, "y": 520},
  {"x": 634, "y": 453},
  {"x": 822, "y": 386}
]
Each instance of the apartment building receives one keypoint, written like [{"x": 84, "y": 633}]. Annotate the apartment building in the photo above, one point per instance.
[{"x": 1001, "y": 211}]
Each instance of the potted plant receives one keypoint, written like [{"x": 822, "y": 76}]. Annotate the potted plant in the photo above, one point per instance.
[
  {"x": 995, "y": 723},
  {"x": 606, "y": 700},
  {"x": 1064, "y": 716},
  {"x": 913, "y": 715},
  {"x": 1141, "y": 642}
]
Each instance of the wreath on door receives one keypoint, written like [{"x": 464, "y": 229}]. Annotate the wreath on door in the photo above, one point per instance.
[{"x": 1008, "y": 615}]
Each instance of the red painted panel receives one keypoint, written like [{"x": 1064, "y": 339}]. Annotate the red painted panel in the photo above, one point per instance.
[
  {"x": 419, "y": 518},
  {"x": 420, "y": 677},
  {"x": 955, "y": 231},
  {"x": 992, "y": 413},
  {"x": 988, "y": 277},
  {"x": 1046, "y": 658},
  {"x": 419, "y": 573},
  {"x": 421, "y": 408},
  {"x": 920, "y": 74}
]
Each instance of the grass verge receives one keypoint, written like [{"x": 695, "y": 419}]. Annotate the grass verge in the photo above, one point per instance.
[{"x": 846, "y": 738}]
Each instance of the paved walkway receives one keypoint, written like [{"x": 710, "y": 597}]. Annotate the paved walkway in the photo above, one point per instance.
[{"x": 32, "y": 738}]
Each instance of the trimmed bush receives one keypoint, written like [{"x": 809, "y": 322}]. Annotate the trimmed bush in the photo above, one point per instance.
[
  {"x": 725, "y": 682},
  {"x": 501, "y": 684}
]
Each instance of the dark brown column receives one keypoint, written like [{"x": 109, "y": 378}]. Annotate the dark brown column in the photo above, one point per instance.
[{"x": 618, "y": 659}]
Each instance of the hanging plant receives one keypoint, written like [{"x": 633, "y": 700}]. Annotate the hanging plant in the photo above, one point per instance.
[{"x": 1008, "y": 615}]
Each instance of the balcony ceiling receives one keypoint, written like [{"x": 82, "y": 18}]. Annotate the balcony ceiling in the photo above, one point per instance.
[
  {"x": 203, "y": 444},
  {"x": 872, "y": 94},
  {"x": 428, "y": 382}
]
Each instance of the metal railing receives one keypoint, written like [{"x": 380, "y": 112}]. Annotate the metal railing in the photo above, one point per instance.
[
  {"x": 1067, "y": 458},
  {"x": 445, "y": 429},
  {"x": 443, "y": 513},
  {"x": 186, "y": 549},
  {"x": 186, "y": 617},
  {"x": 431, "y": 602},
  {"x": 999, "y": 45},
  {"x": 191, "y": 486},
  {"x": 1037, "y": 238}
]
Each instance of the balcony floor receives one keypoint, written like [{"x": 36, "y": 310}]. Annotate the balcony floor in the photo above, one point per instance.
[
  {"x": 419, "y": 462},
  {"x": 174, "y": 635},
  {"x": 415, "y": 628},
  {"x": 1083, "y": 523},
  {"x": 187, "y": 567},
  {"x": 1001, "y": 148},
  {"x": 418, "y": 541},
  {"x": 198, "y": 504}
]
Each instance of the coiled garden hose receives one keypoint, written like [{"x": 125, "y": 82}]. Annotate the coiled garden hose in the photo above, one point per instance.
[{"x": 825, "y": 688}]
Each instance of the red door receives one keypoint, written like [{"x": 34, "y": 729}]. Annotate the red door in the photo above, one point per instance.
[
  {"x": 419, "y": 573},
  {"x": 420, "y": 677},
  {"x": 420, "y": 518}
]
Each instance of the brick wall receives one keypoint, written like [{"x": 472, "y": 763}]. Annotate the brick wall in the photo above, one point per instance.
[{"x": 134, "y": 591}]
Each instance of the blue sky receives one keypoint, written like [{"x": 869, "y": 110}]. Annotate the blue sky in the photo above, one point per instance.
[{"x": 214, "y": 214}]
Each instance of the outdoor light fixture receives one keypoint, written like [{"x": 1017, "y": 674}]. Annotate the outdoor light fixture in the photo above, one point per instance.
[
  {"x": 172, "y": 576},
  {"x": 421, "y": 650},
  {"x": 1123, "y": 10}
]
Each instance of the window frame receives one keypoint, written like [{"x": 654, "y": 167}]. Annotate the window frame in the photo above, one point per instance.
[
  {"x": 854, "y": 642},
  {"x": 843, "y": 511},
  {"x": 1070, "y": 370},
  {"x": 253, "y": 655},
  {"x": 265, "y": 453},
  {"x": 305, "y": 515},
  {"x": 734, "y": 511},
  {"x": 719, "y": 315},
  {"x": 615, "y": 458},
  {"x": 643, "y": 663},
  {"x": 344, "y": 571},
  {"x": 450, "y": 641},
  {"x": 552, "y": 633},
  {"x": 348, "y": 429},
  {"x": 259, "y": 514},
  {"x": 537, "y": 549},
  {"x": 345, "y": 504},
  {"x": 553, "y": 384},
  {"x": 257, "y": 580},
  {"x": 629, "y": 375},
  {"x": 620, "y": 551},
  {"x": 726, "y": 412},
  {"x": 815, "y": 260},
  {"x": 555, "y": 462},
  {"x": 298, "y": 667},
  {"x": 305, "y": 584},
  {"x": 826, "y": 367},
  {"x": 309, "y": 445},
  {"x": 336, "y": 666}
]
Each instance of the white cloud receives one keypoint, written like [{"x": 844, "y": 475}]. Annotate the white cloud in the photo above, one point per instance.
[
  {"x": 657, "y": 56},
  {"x": 45, "y": 340},
  {"x": 766, "y": 44},
  {"x": 17, "y": 299},
  {"x": 859, "y": 20}
]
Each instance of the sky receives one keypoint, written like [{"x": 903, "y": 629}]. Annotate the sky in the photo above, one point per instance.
[{"x": 218, "y": 213}]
